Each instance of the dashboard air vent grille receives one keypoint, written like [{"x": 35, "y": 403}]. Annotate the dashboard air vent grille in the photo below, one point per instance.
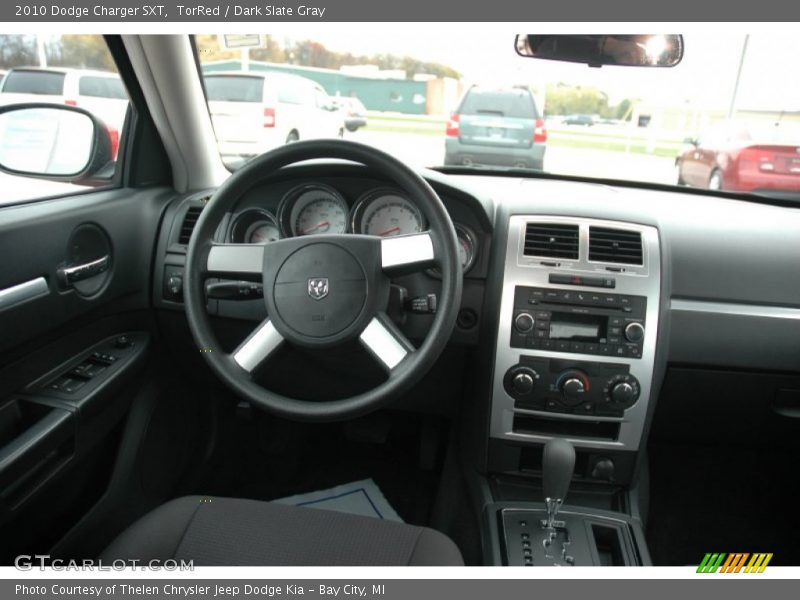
[
  {"x": 554, "y": 240},
  {"x": 615, "y": 246},
  {"x": 189, "y": 221}
]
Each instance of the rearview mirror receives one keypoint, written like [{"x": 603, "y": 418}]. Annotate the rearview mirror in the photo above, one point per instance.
[
  {"x": 50, "y": 141},
  {"x": 646, "y": 50}
]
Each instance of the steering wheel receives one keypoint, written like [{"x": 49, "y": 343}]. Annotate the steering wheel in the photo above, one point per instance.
[{"x": 324, "y": 290}]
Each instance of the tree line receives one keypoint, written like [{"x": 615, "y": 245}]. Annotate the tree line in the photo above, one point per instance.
[
  {"x": 308, "y": 53},
  {"x": 80, "y": 51},
  {"x": 90, "y": 52},
  {"x": 565, "y": 99}
]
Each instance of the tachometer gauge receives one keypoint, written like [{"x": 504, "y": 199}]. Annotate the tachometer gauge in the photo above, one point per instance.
[
  {"x": 386, "y": 213},
  {"x": 312, "y": 210},
  {"x": 254, "y": 226}
]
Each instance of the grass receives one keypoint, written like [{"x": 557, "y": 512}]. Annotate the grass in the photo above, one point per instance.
[{"x": 635, "y": 148}]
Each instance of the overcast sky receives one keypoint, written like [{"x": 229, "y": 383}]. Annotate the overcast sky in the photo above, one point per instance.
[{"x": 705, "y": 77}]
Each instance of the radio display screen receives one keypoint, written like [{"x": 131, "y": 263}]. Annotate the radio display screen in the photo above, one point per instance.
[{"x": 585, "y": 328}]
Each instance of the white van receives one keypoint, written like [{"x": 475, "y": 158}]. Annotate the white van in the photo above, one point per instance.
[
  {"x": 253, "y": 112},
  {"x": 100, "y": 92}
]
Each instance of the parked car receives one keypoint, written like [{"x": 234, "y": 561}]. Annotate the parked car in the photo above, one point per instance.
[
  {"x": 253, "y": 112},
  {"x": 742, "y": 159},
  {"x": 496, "y": 126},
  {"x": 354, "y": 110},
  {"x": 102, "y": 93},
  {"x": 582, "y": 120}
]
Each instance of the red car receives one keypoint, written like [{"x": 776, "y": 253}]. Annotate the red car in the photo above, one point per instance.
[{"x": 742, "y": 161}]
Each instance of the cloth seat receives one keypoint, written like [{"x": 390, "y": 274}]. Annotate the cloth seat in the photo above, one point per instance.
[{"x": 235, "y": 532}]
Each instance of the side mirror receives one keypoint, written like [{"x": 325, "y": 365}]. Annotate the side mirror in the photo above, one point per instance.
[
  {"x": 55, "y": 142},
  {"x": 691, "y": 141}
]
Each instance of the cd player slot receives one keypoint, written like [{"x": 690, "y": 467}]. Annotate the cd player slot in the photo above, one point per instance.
[{"x": 564, "y": 279}]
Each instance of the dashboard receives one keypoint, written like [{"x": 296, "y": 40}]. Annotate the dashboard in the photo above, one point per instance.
[{"x": 577, "y": 295}]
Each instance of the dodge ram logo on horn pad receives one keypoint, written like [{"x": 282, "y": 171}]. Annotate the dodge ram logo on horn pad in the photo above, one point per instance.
[{"x": 318, "y": 287}]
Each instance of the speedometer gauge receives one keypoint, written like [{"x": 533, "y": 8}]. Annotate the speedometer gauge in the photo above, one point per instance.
[
  {"x": 312, "y": 210},
  {"x": 386, "y": 213}
]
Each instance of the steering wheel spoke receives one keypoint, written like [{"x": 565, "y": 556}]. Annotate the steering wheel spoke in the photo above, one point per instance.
[
  {"x": 412, "y": 252},
  {"x": 258, "y": 346},
  {"x": 236, "y": 261},
  {"x": 386, "y": 342}
]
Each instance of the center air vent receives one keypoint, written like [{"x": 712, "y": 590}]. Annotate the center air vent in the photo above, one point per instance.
[
  {"x": 189, "y": 221},
  {"x": 552, "y": 240},
  {"x": 615, "y": 246}
]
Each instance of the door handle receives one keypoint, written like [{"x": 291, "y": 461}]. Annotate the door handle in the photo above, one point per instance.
[{"x": 69, "y": 275}]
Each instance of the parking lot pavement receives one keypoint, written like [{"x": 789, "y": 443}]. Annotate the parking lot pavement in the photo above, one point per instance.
[{"x": 428, "y": 151}]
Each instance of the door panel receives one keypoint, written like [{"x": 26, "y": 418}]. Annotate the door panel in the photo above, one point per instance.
[
  {"x": 72, "y": 353},
  {"x": 35, "y": 241}
]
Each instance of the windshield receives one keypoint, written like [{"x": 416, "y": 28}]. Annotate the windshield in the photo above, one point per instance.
[{"x": 472, "y": 103}]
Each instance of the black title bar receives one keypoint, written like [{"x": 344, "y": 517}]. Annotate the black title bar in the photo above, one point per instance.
[{"x": 249, "y": 11}]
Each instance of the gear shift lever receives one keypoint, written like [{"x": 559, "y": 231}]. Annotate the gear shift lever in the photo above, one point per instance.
[{"x": 558, "y": 463}]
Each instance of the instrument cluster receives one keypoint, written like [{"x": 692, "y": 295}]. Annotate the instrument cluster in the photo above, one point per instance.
[{"x": 316, "y": 208}]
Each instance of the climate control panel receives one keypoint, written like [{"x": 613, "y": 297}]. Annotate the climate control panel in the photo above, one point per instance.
[{"x": 576, "y": 387}]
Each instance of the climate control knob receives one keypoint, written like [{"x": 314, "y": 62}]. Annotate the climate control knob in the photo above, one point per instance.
[
  {"x": 523, "y": 322},
  {"x": 622, "y": 391},
  {"x": 573, "y": 387},
  {"x": 520, "y": 382},
  {"x": 572, "y": 384},
  {"x": 634, "y": 332}
]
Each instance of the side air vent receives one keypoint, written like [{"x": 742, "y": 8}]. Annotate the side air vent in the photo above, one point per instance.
[
  {"x": 615, "y": 246},
  {"x": 552, "y": 240},
  {"x": 189, "y": 221}
]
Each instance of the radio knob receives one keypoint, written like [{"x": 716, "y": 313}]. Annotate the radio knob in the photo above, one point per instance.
[
  {"x": 523, "y": 322},
  {"x": 634, "y": 332}
]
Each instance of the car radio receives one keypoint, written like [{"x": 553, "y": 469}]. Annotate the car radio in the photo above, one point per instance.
[{"x": 568, "y": 320}]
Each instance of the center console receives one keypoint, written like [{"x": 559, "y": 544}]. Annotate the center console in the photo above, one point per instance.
[{"x": 574, "y": 364}]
